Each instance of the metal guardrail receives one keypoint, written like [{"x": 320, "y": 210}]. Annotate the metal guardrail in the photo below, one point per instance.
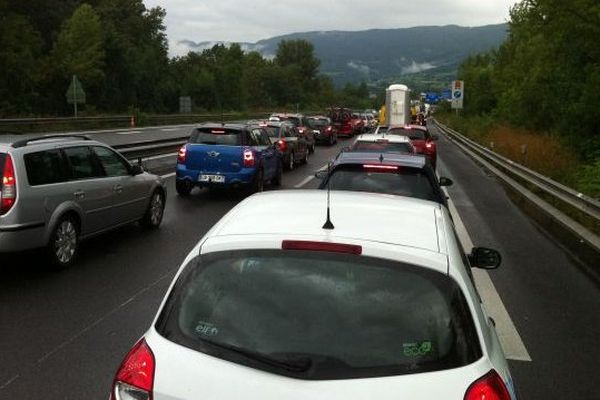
[
  {"x": 140, "y": 150},
  {"x": 498, "y": 165}
]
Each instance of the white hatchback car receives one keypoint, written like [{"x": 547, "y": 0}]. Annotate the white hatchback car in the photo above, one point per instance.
[
  {"x": 380, "y": 143},
  {"x": 380, "y": 305}
]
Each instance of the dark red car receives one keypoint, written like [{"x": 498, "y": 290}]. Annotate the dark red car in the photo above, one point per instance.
[
  {"x": 341, "y": 118},
  {"x": 422, "y": 140},
  {"x": 323, "y": 129},
  {"x": 300, "y": 125}
]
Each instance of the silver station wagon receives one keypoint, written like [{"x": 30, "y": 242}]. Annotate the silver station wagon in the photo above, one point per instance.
[{"x": 58, "y": 190}]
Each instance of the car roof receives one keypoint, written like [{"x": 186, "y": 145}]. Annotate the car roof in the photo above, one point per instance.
[
  {"x": 370, "y": 137},
  {"x": 372, "y": 217},
  {"x": 402, "y": 160},
  {"x": 225, "y": 125},
  {"x": 286, "y": 115},
  {"x": 17, "y": 142},
  {"x": 419, "y": 127}
]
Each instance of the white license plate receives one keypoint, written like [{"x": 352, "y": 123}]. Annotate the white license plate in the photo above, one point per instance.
[{"x": 211, "y": 178}]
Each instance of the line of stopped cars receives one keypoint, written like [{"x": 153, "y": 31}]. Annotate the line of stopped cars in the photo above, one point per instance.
[{"x": 363, "y": 291}]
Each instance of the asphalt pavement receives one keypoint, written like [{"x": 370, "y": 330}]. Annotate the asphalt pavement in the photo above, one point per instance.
[{"x": 62, "y": 335}]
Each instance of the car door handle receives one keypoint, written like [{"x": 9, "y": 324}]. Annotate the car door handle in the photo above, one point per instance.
[
  {"x": 79, "y": 194},
  {"x": 118, "y": 188}
]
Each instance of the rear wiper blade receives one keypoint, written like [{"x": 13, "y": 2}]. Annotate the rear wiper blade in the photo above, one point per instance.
[{"x": 299, "y": 364}]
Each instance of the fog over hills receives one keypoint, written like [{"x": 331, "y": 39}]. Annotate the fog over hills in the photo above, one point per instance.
[{"x": 381, "y": 54}]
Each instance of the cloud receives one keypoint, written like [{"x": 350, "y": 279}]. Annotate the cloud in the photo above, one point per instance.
[
  {"x": 360, "y": 67},
  {"x": 417, "y": 67},
  {"x": 236, "y": 21}
]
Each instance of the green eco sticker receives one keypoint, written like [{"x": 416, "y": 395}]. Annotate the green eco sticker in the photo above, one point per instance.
[{"x": 417, "y": 349}]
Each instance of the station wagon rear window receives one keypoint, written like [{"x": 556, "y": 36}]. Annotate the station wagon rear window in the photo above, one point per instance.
[
  {"x": 2, "y": 160},
  {"x": 383, "y": 146},
  {"x": 319, "y": 315},
  {"x": 217, "y": 136},
  {"x": 45, "y": 167}
]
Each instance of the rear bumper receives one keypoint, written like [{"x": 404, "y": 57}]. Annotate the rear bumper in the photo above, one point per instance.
[
  {"x": 323, "y": 137},
  {"x": 21, "y": 238},
  {"x": 243, "y": 177}
]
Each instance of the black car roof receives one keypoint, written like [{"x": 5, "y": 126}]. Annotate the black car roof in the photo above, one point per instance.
[{"x": 402, "y": 160}]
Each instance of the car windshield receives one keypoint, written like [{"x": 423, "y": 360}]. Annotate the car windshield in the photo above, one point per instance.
[
  {"x": 293, "y": 120},
  {"x": 317, "y": 315},
  {"x": 317, "y": 122},
  {"x": 382, "y": 129},
  {"x": 221, "y": 136},
  {"x": 413, "y": 134},
  {"x": 404, "y": 181},
  {"x": 273, "y": 131},
  {"x": 383, "y": 146}
]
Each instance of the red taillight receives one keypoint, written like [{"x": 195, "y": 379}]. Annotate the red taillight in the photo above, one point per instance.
[
  {"x": 135, "y": 377},
  {"x": 321, "y": 246},
  {"x": 488, "y": 387},
  {"x": 301, "y": 130},
  {"x": 181, "y": 155},
  {"x": 381, "y": 167},
  {"x": 248, "y": 158},
  {"x": 429, "y": 145},
  {"x": 8, "y": 194},
  {"x": 282, "y": 145},
  {"x": 329, "y": 128}
]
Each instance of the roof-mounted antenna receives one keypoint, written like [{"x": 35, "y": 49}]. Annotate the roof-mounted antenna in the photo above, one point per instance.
[
  {"x": 328, "y": 224},
  {"x": 381, "y": 157}
]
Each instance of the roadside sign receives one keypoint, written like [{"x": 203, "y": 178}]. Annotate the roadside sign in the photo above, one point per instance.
[
  {"x": 458, "y": 94},
  {"x": 75, "y": 94},
  {"x": 185, "y": 104}
]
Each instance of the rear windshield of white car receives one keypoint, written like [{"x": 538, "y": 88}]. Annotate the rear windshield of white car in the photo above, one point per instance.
[
  {"x": 382, "y": 146},
  {"x": 218, "y": 136},
  {"x": 413, "y": 134},
  {"x": 404, "y": 181},
  {"x": 320, "y": 315}
]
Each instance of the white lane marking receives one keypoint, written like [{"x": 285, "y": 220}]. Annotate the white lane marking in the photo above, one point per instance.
[
  {"x": 159, "y": 157},
  {"x": 304, "y": 182},
  {"x": 168, "y": 175},
  {"x": 510, "y": 340},
  {"x": 127, "y": 132},
  {"x": 309, "y": 178}
]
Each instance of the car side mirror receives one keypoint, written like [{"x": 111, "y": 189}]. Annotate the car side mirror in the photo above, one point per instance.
[
  {"x": 322, "y": 174},
  {"x": 446, "y": 181},
  {"x": 485, "y": 258},
  {"x": 137, "y": 170}
]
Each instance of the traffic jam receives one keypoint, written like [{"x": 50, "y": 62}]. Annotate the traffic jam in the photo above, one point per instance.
[{"x": 363, "y": 290}]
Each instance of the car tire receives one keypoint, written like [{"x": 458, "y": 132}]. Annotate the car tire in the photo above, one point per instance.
[
  {"x": 258, "y": 184},
  {"x": 63, "y": 246},
  {"x": 305, "y": 158},
  {"x": 276, "y": 181},
  {"x": 331, "y": 141},
  {"x": 183, "y": 187},
  {"x": 312, "y": 148},
  {"x": 291, "y": 162},
  {"x": 155, "y": 211}
]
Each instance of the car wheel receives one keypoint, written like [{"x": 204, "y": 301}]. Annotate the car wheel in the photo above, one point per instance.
[
  {"x": 64, "y": 242},
  {"x": 305, "y": 158},
  {"x": 276, "y": 181},
  {"x": 312, "y": 148},
  {"x": 259, "y": 182},
  {"x": 331, "y": 140},
  {"x": 183, "y": 187},
  {"x": 291, "y": 161},
  {"x": 155, "y": 212}
]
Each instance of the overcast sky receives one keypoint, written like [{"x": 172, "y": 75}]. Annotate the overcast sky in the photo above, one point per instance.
[{"x": 253, "y": 20}]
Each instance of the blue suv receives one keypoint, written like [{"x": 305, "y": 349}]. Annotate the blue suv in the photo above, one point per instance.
[{"x": 228, "y": 156}]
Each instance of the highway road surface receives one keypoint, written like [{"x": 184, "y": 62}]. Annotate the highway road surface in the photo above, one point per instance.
[{"x": 62, "y": 335}]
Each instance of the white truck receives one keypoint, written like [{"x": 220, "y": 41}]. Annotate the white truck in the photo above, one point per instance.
[{"x": 397, "y": 104}]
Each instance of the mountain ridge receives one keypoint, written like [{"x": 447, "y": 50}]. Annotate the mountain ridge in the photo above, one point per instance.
[{"x": 378, "y": 54}]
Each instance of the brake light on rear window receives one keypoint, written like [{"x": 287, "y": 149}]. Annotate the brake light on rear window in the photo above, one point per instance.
[
  {"x": 488, "y": 387},
  {"x": 321, "y": 246},
  {"x": 381, "y": 167},
  {"x": 181, "y": 155},
  {"x": 217, "y": 132},
  {"x": 135, "y": 377},
  {"x": 248, "y": 158},
  {"x": 8, "y": 194}
]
